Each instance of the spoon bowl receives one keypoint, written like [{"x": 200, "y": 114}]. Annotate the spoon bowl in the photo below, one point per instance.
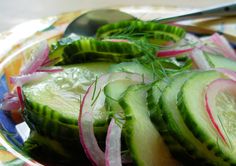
[{"x": 88, "y": 23}]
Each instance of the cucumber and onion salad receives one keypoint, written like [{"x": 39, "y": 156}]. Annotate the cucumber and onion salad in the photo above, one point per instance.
[{"x": 139, "y": 93}]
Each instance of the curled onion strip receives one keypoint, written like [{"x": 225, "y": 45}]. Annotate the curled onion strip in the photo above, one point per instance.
[
  {"x": 22, "y": 79},
  {"x": 93, "y": 99},
  {"x": 199, "y": 59},
  {"x": 113, "y": 144},
  {"x": 229, "y": 73},
  {"x": 50, "y": 70},
  {"x": 20, "y": 98},
  {"x": 213, "y": 89},
  {"x": 223, "y": 46},
  {"x": 10, "y": 104},
  {"x": 39, "y": 56},
  {"x": 173, "y": 53}
]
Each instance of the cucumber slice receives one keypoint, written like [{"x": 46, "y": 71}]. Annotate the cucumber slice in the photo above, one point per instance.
[
  {"x": 217, "y": 61},
  {"x": 177, "y": 127},
  {"x": 92, "y": 50},
  {"x": 154, "y": 94},
  {"x": 132, "y": 67},
  {"x": 155, "y": 32},
  {"x": 220, "y": 105},
  {"x": 143, "y": 140},
  {"x": 52, "y": 105},
  {"x": 192, "y": 107},
  {"x": 113, "y": 92}
]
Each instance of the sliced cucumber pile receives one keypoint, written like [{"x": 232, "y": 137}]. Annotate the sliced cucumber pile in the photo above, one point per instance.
[
  {"x": 156, "y": 115},
  {"x": 166, "y": 113},
  {"x": 176, "y": 126},
  {"x": 182, "y": 119}
]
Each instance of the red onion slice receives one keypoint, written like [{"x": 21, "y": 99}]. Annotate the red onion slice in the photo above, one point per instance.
[
  {"x": 93, "y": 99},
  {"x": 20, "y": 98},
  {"x": 40, "y": 55},
  {"x": 199, "y": 59},
  {"x": 214, "y": 88},
  {"x": 8, "y": 96},
  {"x": 10, "y": 104},
  {"x": 173, "y": 53},
  {"x": 50, "y": 69},
  {"x": 96, "y": 155},
  {"x": 223, "y": 46},
  {"x": 22, "y": 79},
  {"x": 12, "y": 101},
  {"x": 113, "y": 144},
  {"x": 229, "y": 73},
  {"x": 50, "y": 62},
  {"x": 15, "y": 101},
  {"x": 87, "y": 137}
]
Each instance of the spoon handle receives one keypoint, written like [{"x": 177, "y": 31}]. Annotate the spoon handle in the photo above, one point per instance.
[{"x": 218, "y": 11}]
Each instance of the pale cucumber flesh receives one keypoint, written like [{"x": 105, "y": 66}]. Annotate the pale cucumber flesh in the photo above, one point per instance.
[{"x": 177, "y": 127}]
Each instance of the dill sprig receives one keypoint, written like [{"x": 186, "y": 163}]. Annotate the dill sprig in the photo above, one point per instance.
[
  {"x": 95, "y": 87},
  {"x": 149, "y": 58},
  {"x": 141, "y": 39},
  {"x": 95, "y": 99},
  {"x": 95, "y": 94}
]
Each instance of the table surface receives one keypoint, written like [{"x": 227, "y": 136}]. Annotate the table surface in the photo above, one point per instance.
[{"x": 13, "y": 12}]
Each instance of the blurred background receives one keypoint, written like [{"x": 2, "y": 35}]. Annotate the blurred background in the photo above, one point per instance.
[{"x": 13, "y": 12}]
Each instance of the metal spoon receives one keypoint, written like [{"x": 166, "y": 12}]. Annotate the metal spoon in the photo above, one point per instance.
[{"x": 88, "y": 23}]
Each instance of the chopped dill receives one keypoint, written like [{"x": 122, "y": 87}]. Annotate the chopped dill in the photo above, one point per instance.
[
  {"x": 95, "y": 99},
  {"x": 95, "y": 87},
  {"x": 140, "y": 39}
]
